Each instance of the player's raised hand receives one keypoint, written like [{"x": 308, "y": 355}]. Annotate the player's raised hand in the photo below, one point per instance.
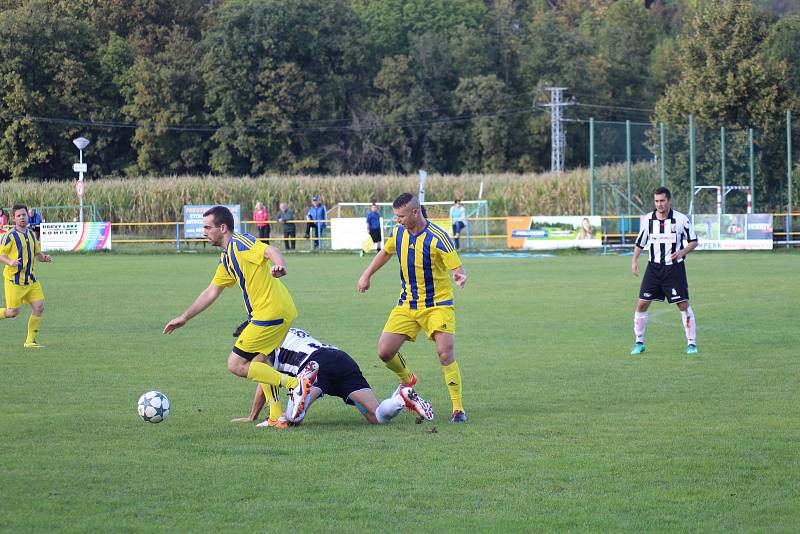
[
  {"x": 278, "y": 270},
  {"x": 174, "y": 324},
  {"x": 363, "y": 284}
]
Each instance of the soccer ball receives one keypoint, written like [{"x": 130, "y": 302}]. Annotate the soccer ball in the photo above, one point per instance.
[{"x": 153, "y": 407}]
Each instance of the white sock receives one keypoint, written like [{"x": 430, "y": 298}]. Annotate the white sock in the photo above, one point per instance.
[
  {"x": 689, "y": 326},
  {"x": 640, "y": 325},
  {"x": 389, "y": 409}
]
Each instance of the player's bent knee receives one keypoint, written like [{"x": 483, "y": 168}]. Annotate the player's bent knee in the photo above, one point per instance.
[
  {"x": 237, "y": 365},
  {"x": 11, "y": 312}
]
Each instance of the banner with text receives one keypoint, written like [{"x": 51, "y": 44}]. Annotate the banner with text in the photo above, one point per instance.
[
  {"x": 75, "y": 236},
  {"x": 193, "y": 218},
  {"x": 553, "y": 232},
  {"x": 734, "y": 231}
]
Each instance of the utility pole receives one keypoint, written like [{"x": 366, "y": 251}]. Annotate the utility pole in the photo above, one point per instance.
[{"x": 557, "y": 132}]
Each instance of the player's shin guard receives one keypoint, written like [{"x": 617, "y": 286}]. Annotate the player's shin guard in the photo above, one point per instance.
[
  {"x": 689, "y": 326},
  {"x": 640, "y": 325},
  {"x": 398, "y": 366},
  {"x": 33, "y": 328},
  {"x": 452, "y": 377},
  {"x": 389, "y": 409},
  {"x": 272, "y": 394}
]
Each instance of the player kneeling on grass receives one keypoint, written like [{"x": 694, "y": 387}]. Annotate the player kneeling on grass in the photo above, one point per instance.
[{"x": 323, "y": 369}]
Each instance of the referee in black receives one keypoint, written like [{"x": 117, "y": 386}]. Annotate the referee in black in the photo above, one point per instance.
[{"x": 669, "y": 236}]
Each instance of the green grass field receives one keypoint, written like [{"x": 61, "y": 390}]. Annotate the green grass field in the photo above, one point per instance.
[{"x": 566, "y": 432}]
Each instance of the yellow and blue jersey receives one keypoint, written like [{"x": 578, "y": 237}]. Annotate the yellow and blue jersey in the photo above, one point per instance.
[
  {"x": 425, "y": 261},
  {"x": 266, "y": 299},
  {"x": 23, "y": 246}
]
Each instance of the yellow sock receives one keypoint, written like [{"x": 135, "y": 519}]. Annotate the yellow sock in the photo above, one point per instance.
[
  {"x": 452, "y": 377},
  {"x": 33, "y": 328},
  {"x": 272, "y": 394},
  {"x": 398, "y": 366},
  {"x": 264, "y": 374},
  {"x": 2, "y": 313}
]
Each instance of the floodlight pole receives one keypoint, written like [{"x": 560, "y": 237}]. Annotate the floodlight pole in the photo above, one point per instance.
[{"x": 80, "y": 168}]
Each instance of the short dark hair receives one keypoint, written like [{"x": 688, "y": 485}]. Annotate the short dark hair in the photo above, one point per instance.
[
  {"x": 222, "y": 215},
  {"x": 402, "y": 200},
  {"x": 18, "y": 207},
  {"x": 663, "y": 191}
]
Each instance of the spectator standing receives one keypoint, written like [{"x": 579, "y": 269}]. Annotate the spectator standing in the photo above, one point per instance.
[
  {"x": 458, "y": 218},
  {"x": 3, "y": 219},
  {"x": 317, "y": 215},
  {"x": 374, "y": 224},
  {"x": 286, "y": 217},
  {"x": 261, "y": 217},
  {"x": 35, "y": 221}
]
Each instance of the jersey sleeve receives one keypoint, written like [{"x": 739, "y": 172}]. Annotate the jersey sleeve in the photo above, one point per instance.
[
  {"x": 254, "y": 254},
  {"x": 390, "y": 246},
  {"x": 644, "y": 235},
  {"x": 688, "y": 229},
  {"x": 5, "y": 244},
  {"x": 222, "y": 277},
  {"x": 451, "y": 260}
]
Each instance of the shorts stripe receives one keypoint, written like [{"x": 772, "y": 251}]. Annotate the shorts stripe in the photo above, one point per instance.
[{"x": 266, "y": 323}]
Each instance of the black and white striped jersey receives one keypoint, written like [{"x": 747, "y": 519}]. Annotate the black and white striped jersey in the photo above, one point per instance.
[
  {"x": 295, "y": 350},
  {"x": 665, "y": 237}
]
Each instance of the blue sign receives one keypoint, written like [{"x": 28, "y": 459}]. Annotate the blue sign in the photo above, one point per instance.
[
  {"x": 531, "y": 234},
  {"x": 193, "y": 219}
]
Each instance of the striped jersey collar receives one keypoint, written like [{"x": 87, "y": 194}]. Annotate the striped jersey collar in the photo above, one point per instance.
[{"x": 669, "y": 216}]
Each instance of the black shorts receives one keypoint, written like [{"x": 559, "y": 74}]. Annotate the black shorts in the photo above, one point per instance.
[
  {"x": 458, "y": 226},
  {"x": 339, "y": 375},
  {"x": 375, "y": 234},
  {"x": 665, "y": 282}
]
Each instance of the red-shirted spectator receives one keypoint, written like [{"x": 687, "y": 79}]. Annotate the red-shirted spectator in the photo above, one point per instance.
[{"x": 261, "y": 217}]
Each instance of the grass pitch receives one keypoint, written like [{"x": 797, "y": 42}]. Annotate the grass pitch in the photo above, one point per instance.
[{"x": 566, "y": 431}]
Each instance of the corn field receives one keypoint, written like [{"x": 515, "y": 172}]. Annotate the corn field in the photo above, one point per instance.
[{"x": 161, "y": 199}]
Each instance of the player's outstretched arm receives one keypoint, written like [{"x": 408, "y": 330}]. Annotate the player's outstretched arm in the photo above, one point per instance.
[
  {"x": 203, "y": 301},
  {"x": 460, "y": 276},
  {"x": 380, "y": 259},
  {"x": 273, "y": 254},
  {"x": 258, "y": 403}
]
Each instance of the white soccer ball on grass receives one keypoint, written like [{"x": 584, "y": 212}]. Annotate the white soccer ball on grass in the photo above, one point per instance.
[{"x": 153, "y": 407}]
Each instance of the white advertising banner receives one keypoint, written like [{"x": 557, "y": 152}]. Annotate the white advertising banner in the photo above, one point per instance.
[
  {"x": 554, "y": 232},
  {"x": 349, "y": 233},
  {"x": 75, "y": 236}
]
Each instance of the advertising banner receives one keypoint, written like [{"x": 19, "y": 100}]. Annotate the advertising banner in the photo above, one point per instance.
[
  {"x": 734, "y": 231},
  {"x": 350, "y": 233},
  {"x": 553, "y": 232},
  {"x": 193, "y": 219},
  {"x": 75, "y": 236}
]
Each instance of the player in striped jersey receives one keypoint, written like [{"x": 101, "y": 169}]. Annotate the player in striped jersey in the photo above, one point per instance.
[
  {"x": 255, "y": 267},
  {"x": 19, "y": 250},
  {"x": 326, "y": 370},
  {"x": 669, "y": 236},
  {"x": 427, "y": 258}
]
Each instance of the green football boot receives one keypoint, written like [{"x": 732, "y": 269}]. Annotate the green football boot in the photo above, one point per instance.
[
  {"x": 638, "y": 348},
  {"x": 691, "y": 349}
]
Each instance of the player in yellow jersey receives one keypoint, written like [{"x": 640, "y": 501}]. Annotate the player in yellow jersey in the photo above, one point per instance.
[
  {"x": 19, "y": 250},
  {"x": 255, "y": 267},
  {"x": 427, "y": 258}
]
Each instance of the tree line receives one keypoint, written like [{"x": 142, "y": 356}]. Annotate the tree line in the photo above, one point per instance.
[{"x": 247, "y": 87}]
